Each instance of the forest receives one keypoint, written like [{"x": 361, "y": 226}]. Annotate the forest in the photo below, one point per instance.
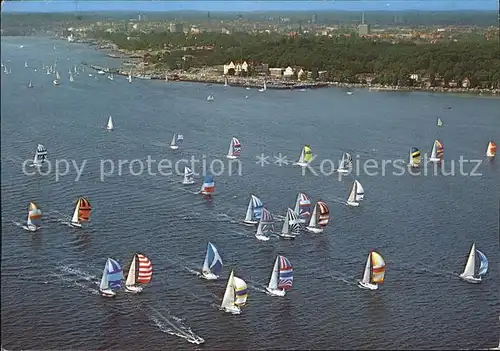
[{"x": 343, "y": 58}]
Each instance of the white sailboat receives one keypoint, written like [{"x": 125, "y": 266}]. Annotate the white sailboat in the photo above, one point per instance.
[
  {"x": 212, "y": 266},
  {"x": 437, "y": 152},
  {"x": 357, "y": 194},
  {"x": 71, "y": 79},
  {"x": 26, "y": 64},
  {"x": 40, "y": 156},
  {"x": 188, "y": 176},
  {"x": 110, "y": 126},
  {"x": 305, "y": 157},
  {"x": 225, "y": 82},
  {"x": 81, "y": 213},
  {"x": 374, "y": 272},
  {"x": 235, "y": 295},
  {"x": 140, "y": 273},
  {"x": 30, "y": 85},
  {"x": 111, "y": 77},
  {"x": 319, "y": 218},
  {"x": 469, "y": 273},
  {"x": 291, "y": 226},
  {"x": 265, "y": 226},
  {"x": 176, "y": 140},
  {"x": 210, "y": 97},
  {"x": 303, "y": 208},
  {"x": 34, "y": 218},
  {"x": 111, "y": 278},
  {"x": 264, "y": 88},
  {"x": 345, "y": 163},
  {"x": 234, "y": 149},
  {"x": 129, "y": 78},
  {"x": 281, "y": 277},
  {"x": 166, "y": 77},
  {"x": 254, "y": 211},
  {"x": 491, "y": 149}
]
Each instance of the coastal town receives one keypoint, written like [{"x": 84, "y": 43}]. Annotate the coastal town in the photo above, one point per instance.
[{"x": 212, "y": 50}]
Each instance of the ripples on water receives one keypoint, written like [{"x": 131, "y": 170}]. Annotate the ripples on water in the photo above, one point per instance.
[{"x": 423, "y": 226}]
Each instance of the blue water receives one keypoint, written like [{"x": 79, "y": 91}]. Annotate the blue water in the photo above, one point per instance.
[{"x": 423, "y": 225}]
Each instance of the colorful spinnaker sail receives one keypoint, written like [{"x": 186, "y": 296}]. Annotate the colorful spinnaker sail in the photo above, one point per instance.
[
  {"x": 491, "y": 150},
  {"x": 241, "y": 291},
  {"x": 415, "y": 157},
  {"x": 484, "y": 263},
  {"x": 112, "y": 275},
  {"x": 437, "y": 152},
  {"x": 254, "y": 209},
  {"x": 140, "y": 271},
  {"x": 303, "y": 207},
  {"x": 34, "y": 215},
  {"x": 82, "y": 211},
  {"x": 306, "y": 156},
  {"x": 208, "y": 186},
  {"x": 285, "y": 281},
  {"x": 377, "y": 268},
  {"x": 213, "y": 261},
  {"x": 234, "y": 148}
]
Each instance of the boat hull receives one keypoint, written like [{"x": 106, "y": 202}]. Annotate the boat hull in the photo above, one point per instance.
[
  {"x": 367, "y": 286},
  {"x": 250, "y": 222},
  {"x": 31, "y": 228},
  {"x": 342, "y": 170},
  {"x": 107, "y": 293},
  {"x": 314, "y": 230},
  {"x": 75, "y": 225},
  {"x": 354, "y": 204},
  {"x": 209, "y": 276},
  {"x": 188, "y": 182},
  {"x": 262, "y": 237},
  {"x": 275, "y": 292},
  {"x": 107, "y": 128},
  {"x": 232, "y": 309},
  {"x": 133, "y": 289},
  {"x": 204, "y": 193},
  {"x": 231, "y": 157},
  {"x": 174, "y": 147},
  {"x": 470, "y": 279},
  {"x": 287, "y": 236},
  {"x": 301, "y": 164},
  {"x": 435, "y": 160}
]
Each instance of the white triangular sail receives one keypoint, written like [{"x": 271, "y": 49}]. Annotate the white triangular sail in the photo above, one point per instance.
[
  {"x": 360, "y": 192},
  {"x": 366, "y": 274},
  {"x": 273, "y": 282},
  {"x": 471, "y": 263},
  {"x": 110, "y": 124},
  {"x": 491, "y": 150},
  {"x": 228, "y": 299},
  {"x": 434, "y": 151},
  {"x": 75, "y": 218},
  {"x": 174, "y": 140},
  {"x": 188, "y": 175},
  {"x": 352, "y": 195},
  {"x": 104, "y": 280},
  {"x": 131, "y": 273},
  {"x": 313, "y": 222}
]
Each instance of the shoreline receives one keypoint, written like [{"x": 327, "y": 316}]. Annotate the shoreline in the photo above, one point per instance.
[{"x": 257, "y": 82}]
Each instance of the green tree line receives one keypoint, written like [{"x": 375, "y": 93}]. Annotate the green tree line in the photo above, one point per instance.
[{"x": 344, "y": 58}]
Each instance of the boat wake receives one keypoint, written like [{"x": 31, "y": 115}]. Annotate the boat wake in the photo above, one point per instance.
[
  {"x": 75, "y": 280},
  {"x": 174, "y": 326}
]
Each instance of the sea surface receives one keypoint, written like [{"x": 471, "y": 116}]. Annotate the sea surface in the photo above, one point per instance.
[{"x": 423, "y": 225}]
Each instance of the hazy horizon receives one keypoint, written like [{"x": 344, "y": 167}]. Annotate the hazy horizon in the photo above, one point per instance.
[{"x": 13, "y": 6}]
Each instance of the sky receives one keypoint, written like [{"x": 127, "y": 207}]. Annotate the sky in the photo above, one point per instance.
[{"x": 247, "y": 5}]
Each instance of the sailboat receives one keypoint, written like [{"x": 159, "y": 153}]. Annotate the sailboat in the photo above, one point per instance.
[
  {"x": 305, "y": 157},
  {"x": 437, "y": 151},
  {"x": 374, "y": 272},
  {"x": 303, "y": 208},
  {"x": 234, "y": 149},
  {"x": 254, "y": 210},
  {"x": 166, "y": 77},
  {"x": 208, "y": 186},
  {"x": 111, "y": 278},
  {"x": 291, "y": 226},
  {"x": 266, "y": 225},
  {"x": 345, "y": 163},
  {"x": 319, "y": 219},
  {"x": 34, "y": 218},
  {"x": 235, "y": 296},
  {"x": 40, "y": 156},
  {"x": 281, "y": 278},
  {"x": 491, "y": 150},
  {"x": 176, "y": 141},
  {"x": 357, "y": 194},
  {"x": 415, "y": 157},
  {"x": 30, "y": 85},
  {"x": 439, "y": 122},
  {"x": 26, "y": 64},
  {"x": 111, "y": 77},
  {"x": 188, "y": 176},
  {"x": 470, "y": 267},
  {"x": 57, "y": 81},
  {"x": 264, "y": 88},
  {"x": 109, "y": 126},
  {"x": 139, "y": 273},
  {"x": 225, "y": 82},
  {"x": 81, "y": 213},
  {"x": 210, "y": 97},
  {"x": 212, "y": 266},
  {"x": 129, "y": 78},
  {"x": 71, "y": 79}
]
